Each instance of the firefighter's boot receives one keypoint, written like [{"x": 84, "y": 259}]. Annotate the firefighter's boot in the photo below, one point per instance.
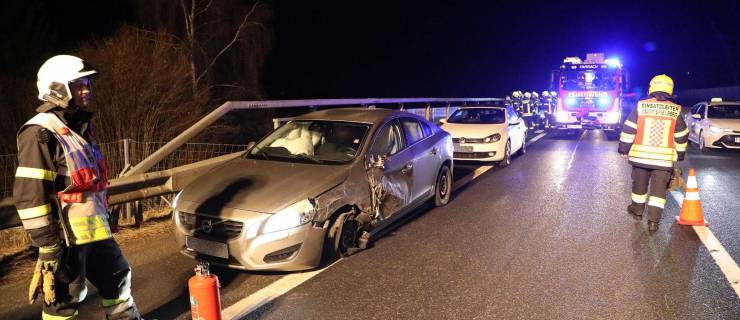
[{"x": 636, "y": 210}]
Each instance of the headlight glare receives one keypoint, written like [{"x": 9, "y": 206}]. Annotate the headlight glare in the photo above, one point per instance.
[{"x": 293, "y": 216}]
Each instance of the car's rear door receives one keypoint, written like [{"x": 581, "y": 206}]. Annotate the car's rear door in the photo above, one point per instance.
[{"x": 425, "y": 155}]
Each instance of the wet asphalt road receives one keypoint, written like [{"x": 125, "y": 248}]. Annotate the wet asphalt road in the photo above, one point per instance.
[{"x": 546, "y": 238}]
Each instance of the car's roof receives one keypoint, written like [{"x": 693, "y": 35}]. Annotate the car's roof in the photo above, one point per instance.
[
  {"x": 366, "y": 115},
  {"x": 478, "y": 106},
  {"x": 714, "y": 103}
]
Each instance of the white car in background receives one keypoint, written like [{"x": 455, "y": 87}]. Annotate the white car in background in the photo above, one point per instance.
[
  {"x": 486, "y": 133},
  {"x": 715, "y": 124}
]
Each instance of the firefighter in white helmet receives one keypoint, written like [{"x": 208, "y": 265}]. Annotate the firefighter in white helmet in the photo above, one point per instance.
[
  {"x": 60, "y": 193},
  {"x": 654, "y": 137}
]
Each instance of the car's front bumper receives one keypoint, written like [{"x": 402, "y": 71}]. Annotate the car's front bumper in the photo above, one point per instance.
[
  {"x": 298, "y": 248},
  {"x": 729, "y": 140},
  {"x": 479, "y": 151}
]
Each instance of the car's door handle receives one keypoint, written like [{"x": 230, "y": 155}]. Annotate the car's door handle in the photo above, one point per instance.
[{"x": 406, "y": 168}]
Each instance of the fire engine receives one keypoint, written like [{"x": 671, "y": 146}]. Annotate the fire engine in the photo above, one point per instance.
[{"x": 591, "y": 94}]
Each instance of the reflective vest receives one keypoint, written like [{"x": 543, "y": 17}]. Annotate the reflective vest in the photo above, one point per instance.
[
  {"x": 654, "y": 141},
  {"x": 83, "y": 202}
]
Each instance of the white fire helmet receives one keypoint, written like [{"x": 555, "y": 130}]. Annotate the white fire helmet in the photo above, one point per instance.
[
  {"x": 527, "y": 95},
  {"x": 516, "y": 94},
  {"x": 553, "y": 93},
  {"x": 535, "y": 95},
  {"x": 545, "y": 94},
  {"x": 56, "y": 73}
]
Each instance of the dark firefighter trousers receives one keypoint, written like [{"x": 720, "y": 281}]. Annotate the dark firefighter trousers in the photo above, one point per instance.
[
  {"x": 103, "y": 264},
  {"x": 654, "y": 197}
]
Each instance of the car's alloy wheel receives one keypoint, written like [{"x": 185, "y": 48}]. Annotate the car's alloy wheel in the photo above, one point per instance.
[{"x": 443, "y": 187}]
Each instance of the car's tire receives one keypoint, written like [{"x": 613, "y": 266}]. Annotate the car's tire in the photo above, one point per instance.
[
  {"x": 702, "y": 143},
  {"x": 340, "y": 244},
  {"x": 443, "y": 186},
  {"x": 523, "y": 149},
  {"x": 506, "y": 161}
]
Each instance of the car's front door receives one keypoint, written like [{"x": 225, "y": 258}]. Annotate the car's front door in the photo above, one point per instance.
[
  {"x": 395, "y": 177},
  {"x": 516, "y": 129}
]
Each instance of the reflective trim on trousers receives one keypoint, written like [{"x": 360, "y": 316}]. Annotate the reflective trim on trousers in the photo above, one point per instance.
[
  {"x": 639, "y": 198},
  {"x": 35, "y": 212},
  {"x": 656, "y": 202}
]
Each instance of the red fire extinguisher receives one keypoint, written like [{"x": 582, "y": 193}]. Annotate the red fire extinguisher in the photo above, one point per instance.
[{"x": 205, "y": 296}]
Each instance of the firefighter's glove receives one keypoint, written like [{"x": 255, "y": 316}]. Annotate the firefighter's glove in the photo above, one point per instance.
[
  {"x": 681, "y": 156},
  {"x": 43, "y": 275}
]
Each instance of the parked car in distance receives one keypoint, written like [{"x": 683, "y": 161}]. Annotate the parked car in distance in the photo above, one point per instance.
[
  {"x": 714, "y": 124},
  {"x": 319, "y": 186},
  {"x": 486, "y": 133}
]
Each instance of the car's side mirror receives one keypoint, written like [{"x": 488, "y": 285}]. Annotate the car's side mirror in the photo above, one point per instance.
[
  {"x": 442, "y": 121},
  {"x": 696, "y": 116}
]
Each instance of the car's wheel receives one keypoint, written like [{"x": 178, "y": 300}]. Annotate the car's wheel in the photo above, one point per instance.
[
  {"x": 523, "y": 149},
  {"x": 340, "y": 238},
  {"x": 506, "y": 161},
  {"x": 702, "y": 144},
  {"x": 443, "y": 186}
]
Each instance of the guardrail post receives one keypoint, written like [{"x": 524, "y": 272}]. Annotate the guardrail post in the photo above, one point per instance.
[
  {"x": 447, "y": 110},
  {"x": 127, "y": 213},
  {"x": 428, "y": 112},
  {"x": 275, "y": 123}
]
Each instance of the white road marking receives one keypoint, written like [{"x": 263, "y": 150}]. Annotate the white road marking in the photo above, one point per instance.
[
  {"x": 531, "y": 141},
  {"x": 276, "y": 289},
  {"x": 726, "y": 263}
]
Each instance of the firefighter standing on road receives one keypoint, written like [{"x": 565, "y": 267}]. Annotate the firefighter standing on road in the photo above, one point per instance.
[
  {"x": 60, "y": 193},
  {"x": 654, "y": 136}
]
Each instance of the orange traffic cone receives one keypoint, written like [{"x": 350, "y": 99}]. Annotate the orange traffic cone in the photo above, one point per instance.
[{"x": 691, "y": 213}]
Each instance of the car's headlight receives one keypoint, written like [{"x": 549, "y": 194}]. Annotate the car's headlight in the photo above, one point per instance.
[
  {"x": 297, "y": 214},
  {"x": 492, "y": 138}
]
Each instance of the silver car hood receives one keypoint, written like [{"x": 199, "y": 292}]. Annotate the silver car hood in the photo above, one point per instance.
[{"x": 261, "y": 186}]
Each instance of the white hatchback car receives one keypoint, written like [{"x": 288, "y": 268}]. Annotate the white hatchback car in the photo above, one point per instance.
[
  {"x": 486, "y": 133},
  {"x": 715, "y": 124}
]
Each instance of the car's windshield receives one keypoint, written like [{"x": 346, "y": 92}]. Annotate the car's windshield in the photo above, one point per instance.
[
  {"x": 312, "y": 141},
  {"x": 589, "y": 80},
  {"x": 478, "y": 116},
  {"x": 724, "y": 112}
]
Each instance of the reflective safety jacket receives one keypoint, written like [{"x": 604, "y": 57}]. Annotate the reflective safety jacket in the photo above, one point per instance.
[
  {"x": 654, "y": 135},
  {"x": 61, "y": 176}
]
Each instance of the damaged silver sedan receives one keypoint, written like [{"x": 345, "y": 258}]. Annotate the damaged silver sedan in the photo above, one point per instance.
[{"x": 316, "y": 188}]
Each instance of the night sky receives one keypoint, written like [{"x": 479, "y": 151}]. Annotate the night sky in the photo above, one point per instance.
[{"x": 337, "y": 49}]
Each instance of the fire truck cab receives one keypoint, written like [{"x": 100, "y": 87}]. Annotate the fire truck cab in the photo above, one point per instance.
[{"x": 591, "y": 94}]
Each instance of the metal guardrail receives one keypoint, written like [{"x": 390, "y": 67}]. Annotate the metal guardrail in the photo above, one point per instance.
[{"x": 137, "y": 184}]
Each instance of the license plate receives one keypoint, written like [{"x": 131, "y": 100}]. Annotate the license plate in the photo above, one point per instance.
[
  {"x": 737, "y": 139},
  {"x": 459, "y": 148},
  {"x": 211, "y": 248},
  {"x": 575, "y": 126}
]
